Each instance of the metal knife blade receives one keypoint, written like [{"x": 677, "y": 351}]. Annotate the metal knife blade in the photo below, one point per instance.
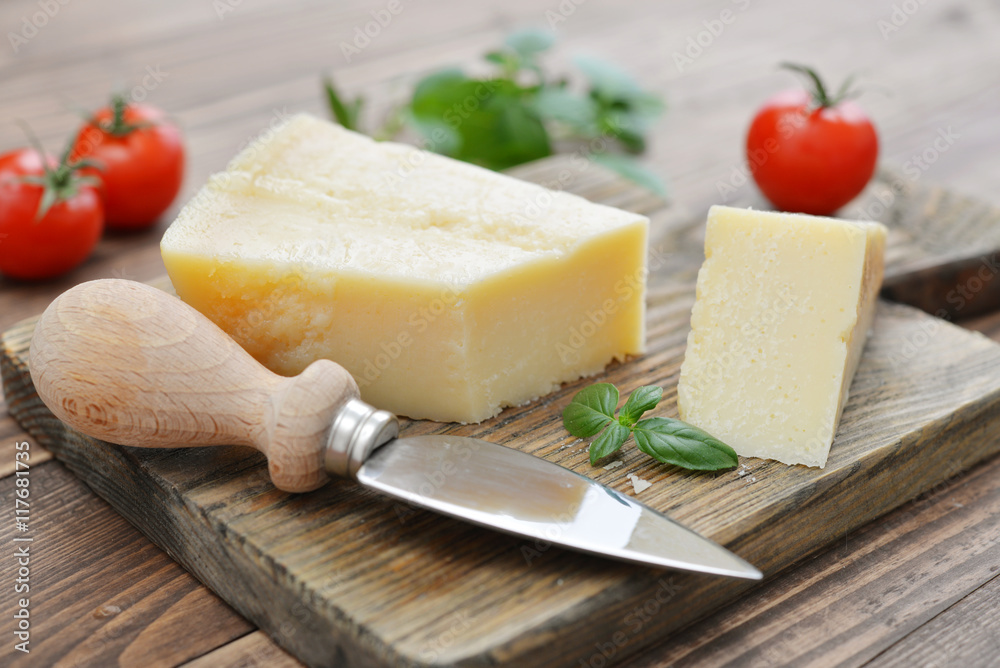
[{"x": 514, "y": 492}]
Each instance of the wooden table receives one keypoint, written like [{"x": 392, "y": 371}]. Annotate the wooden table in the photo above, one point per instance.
[{"x": 920, "y": 586}]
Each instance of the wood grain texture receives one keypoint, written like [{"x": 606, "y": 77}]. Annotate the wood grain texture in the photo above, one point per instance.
[
  {"x": 128, "y": 363},
  {"x": 11, "y": 434},
  {"x": 254, "y": 650},
  {"x": 852, "y": 605},
  {"x": 945, "y": 250},
  {"x": 343, "y": 575},
  {"x": 947, "y": 640},
  {"x": 147, "y": 611}
]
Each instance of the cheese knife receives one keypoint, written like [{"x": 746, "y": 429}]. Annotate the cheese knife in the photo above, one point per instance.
[{"x": 129, "y": 364}]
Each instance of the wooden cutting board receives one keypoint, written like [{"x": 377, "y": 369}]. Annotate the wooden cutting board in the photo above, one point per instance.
[{"x": 343, "y": 576}]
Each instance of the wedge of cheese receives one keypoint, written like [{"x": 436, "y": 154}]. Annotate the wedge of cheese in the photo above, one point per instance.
[
  {"x": 784, "y": 304},
  {"x": 448, "y": 291}
]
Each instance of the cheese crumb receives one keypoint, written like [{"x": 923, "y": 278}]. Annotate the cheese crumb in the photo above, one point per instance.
[
  {"x": 613, "y": 465},
  {"x": 638, "y": 484}
]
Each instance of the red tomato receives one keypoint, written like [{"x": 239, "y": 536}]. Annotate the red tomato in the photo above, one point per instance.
[
  {"x": 33, "y": 247},
  {"x": 141, "y": 155},
  {"x": 809, "y": 153}
]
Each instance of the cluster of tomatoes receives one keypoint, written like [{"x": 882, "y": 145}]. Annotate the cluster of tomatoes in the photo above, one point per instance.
[{"x": 121, "y": 171}]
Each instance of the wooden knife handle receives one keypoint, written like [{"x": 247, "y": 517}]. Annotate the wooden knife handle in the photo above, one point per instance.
[{"x": 129, "y": 364}]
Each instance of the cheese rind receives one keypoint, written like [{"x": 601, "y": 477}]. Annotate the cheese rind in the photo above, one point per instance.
[
  {"x": 447, "y": 290},
  {"x": 784, "y": 304}
]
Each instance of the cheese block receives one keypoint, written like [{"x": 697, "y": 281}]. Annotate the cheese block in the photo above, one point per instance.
[
  {"x": 784, "y": 304},
  {"x": 448, "y": 291}
]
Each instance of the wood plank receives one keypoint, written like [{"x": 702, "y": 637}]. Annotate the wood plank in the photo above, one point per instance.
[
  {"x": 99, "y": 595},
  {"x": 962, "y": 635},
  {"x": 254, "y": 650},
  {"x": 345, "y": 575},
  {"x": 988, "y": 325},
  {"x": 947, "y": 251},
  {"x": 855, "y": 604},
  {"x": 11, "y": 434}
]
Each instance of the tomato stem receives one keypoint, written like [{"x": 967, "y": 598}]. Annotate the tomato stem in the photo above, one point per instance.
[
  {"x": 118, "y": 126},
  {"x": 59, "y": 183},
  {"x": 820, "y": 95}
]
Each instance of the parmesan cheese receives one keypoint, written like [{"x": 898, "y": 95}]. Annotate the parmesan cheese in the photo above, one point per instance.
[
  {"x": 448, "y": 291},
  {"x": 784, "y": 303}
]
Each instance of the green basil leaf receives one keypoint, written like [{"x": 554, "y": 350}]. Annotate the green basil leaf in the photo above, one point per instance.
[
  {"x": 344, "y": 113},
  {"x": 591, "y": 409},
  {"x": 438, "y": 135},
  {"x": 641, "y": 400},
  {"x": 354, "y": 111},
  {"x": 631, "y": 169},
  {"x": 559, "y": 104},
  {"x": 497, "y": 58},
  {"x": 675, "y": 442},
  {"x": 608, "y": 442},
  {"x": 437, "y": 92},
  {"x": 504, "y": 132},
  {"x": 647, "y": 105},
  {"x": 607, "y": 81},
  {"x": 627, "y": 127},
  {"x": 492, "y": 122},
  {"x": 530, "y": 42}
]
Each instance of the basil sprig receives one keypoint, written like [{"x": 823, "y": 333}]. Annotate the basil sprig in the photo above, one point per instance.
[
  {"x": 516, "y": 111},
  {"x": 592, "y": 412}
]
